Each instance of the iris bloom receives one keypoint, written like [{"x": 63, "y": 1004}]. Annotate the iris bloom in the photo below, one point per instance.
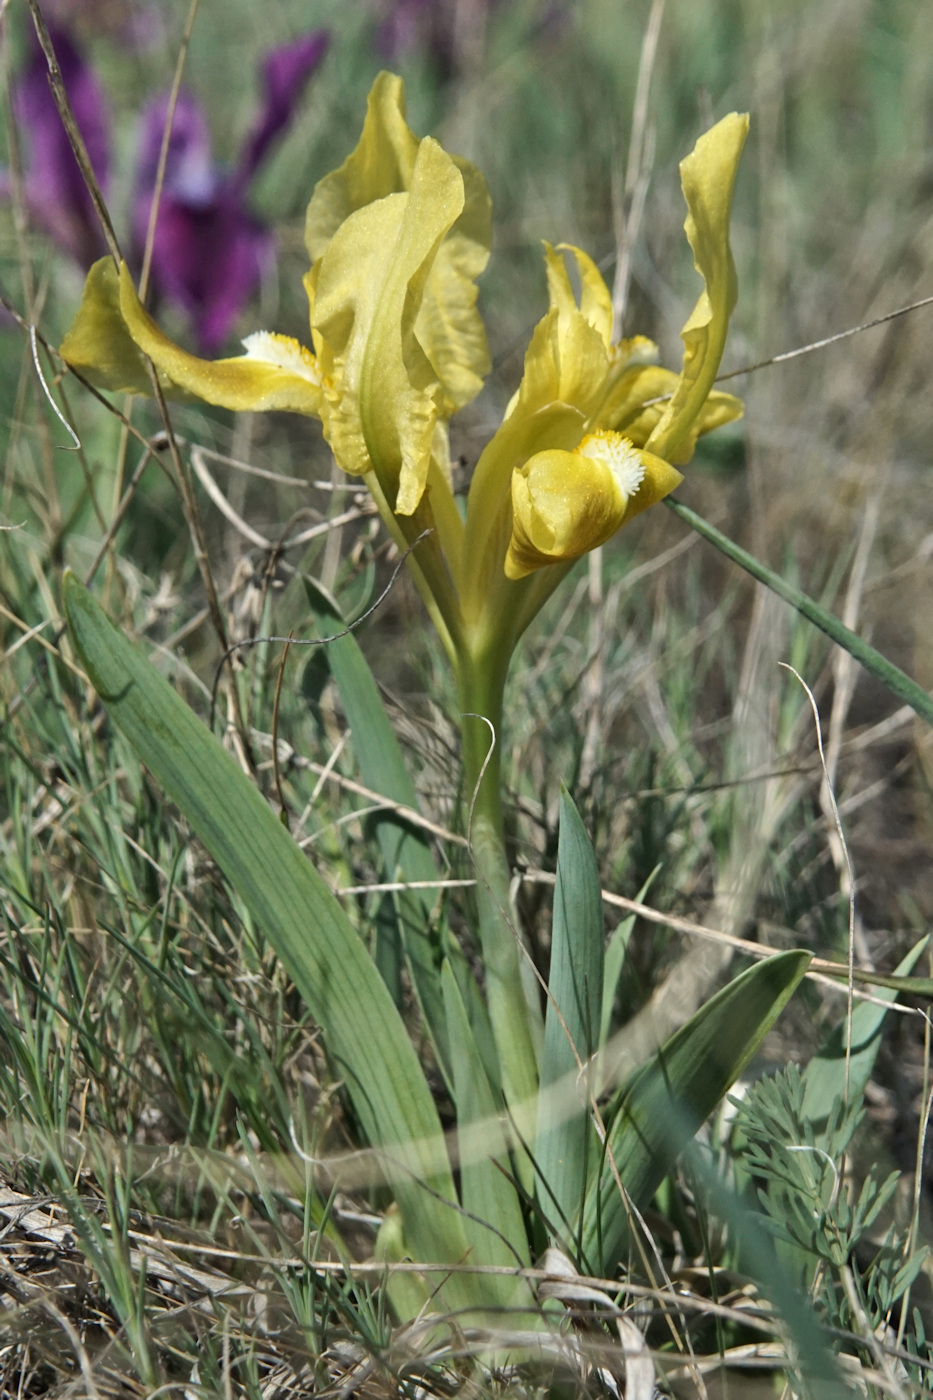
[
  {"x": 593, "y": 436},
  {"x": 209, "y": 250},
  {"x": 55, "y": 193}
]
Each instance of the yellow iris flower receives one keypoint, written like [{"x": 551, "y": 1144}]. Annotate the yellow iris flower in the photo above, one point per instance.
[{"x": 397, "y": 237}]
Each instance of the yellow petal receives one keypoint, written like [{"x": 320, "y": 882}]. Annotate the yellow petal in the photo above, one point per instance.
[
  {"x": 99, "y": 344},
  {"x": 381, "y": 164},
  {"x": 275, "y": 373},
  {"x": 567, "y": 503},
  {"x": 659, "y": 480},
  {"x": 707, "y": 177},
  {"x": 562, "y": 505},
  {"x": 595, "y": 299},
  {"x": 449, "y": 329},
  {"x": 112, "y": 333},
  {"x": 383, "y": 394}
]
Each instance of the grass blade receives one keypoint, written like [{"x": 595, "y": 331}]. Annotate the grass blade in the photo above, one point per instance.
[
  {"x": 896, "y": 680},
  {"x": 824, "y": 1078}
]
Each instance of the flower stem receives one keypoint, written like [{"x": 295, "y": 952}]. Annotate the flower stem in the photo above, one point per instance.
[{"x": 481, "y": 675}]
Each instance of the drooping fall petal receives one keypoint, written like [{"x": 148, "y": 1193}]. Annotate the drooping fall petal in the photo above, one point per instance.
[
  {"x": 566, "y": 503},
  {"x": 112, "y": 334}
]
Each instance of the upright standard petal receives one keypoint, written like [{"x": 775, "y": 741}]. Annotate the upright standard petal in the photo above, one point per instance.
[
  {"x": 449, "y": 328},
  {"x": 384, "y": 396},
  {"x": 707, "y": 177},
  {"x": 595, "y": 301},
  {"x": 381, "y": 164},
  {"x": 113, "y": 334}
]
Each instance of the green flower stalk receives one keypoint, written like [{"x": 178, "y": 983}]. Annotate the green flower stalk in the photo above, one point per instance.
[{"x": 594, "y": 435}]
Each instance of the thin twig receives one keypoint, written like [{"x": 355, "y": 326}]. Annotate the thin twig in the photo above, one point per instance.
[
  {"x": 312, "y": 641},
  {"x": 164, "y": 149},
  {"x": 276, "y": 769},
  {"x": 845, "y": 850},
  {"x": 821, "y": 344},
  {"x": 73, "y": 132}
]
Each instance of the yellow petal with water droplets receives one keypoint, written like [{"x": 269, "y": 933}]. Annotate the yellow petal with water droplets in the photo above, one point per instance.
[
  {"x": 383, "y": 394},
  {"x": 563, "y": 504},
  {"x": 659, "y": 480},
  {"x": 708, "y": 178}
]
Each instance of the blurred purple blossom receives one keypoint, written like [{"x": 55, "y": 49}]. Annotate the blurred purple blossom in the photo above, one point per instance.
[
  {"x": 56, "y": 195},
  {"x": 209, "y": 251},
  {"x": 440, "y": 29},
  {"x": 427, "y": 26}
]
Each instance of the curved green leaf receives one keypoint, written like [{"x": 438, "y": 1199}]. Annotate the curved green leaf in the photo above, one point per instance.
[
  {"x": 659, "y": 1109},
  {"x": 824, "y": 1078},
  {"x": 406, "y": 854},
  {"x": 564, "y": 1139}
]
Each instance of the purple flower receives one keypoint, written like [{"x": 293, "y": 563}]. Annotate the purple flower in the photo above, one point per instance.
[
  {"x": 56, "y": 195},
  {"x": 209, "y": 251}
]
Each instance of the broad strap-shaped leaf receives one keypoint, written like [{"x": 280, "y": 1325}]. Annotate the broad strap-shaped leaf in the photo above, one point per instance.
[
  {"x": 659, "y": 1109},
  {"x": 318, "y": 946},
  {"x": 405, "y": 852},
  {"x": 824, "y": 1078},
  {"x": 565, "y": 1136}
]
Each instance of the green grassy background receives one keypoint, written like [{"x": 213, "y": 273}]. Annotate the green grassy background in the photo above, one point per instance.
[{"x": 158, "y": 1072}]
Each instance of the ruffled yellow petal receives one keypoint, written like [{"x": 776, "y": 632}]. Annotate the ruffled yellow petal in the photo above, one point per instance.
[
  {"x": 637, "y": 400},
  {"x": 383, "y": 395},
  {"x": 448, "y": 327},
  {"x": 567, "y": 503},
  {"x": 381, "y": 164},
  {"x": 112, "y": 333},
  {"x": 708, "y": 178}
]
